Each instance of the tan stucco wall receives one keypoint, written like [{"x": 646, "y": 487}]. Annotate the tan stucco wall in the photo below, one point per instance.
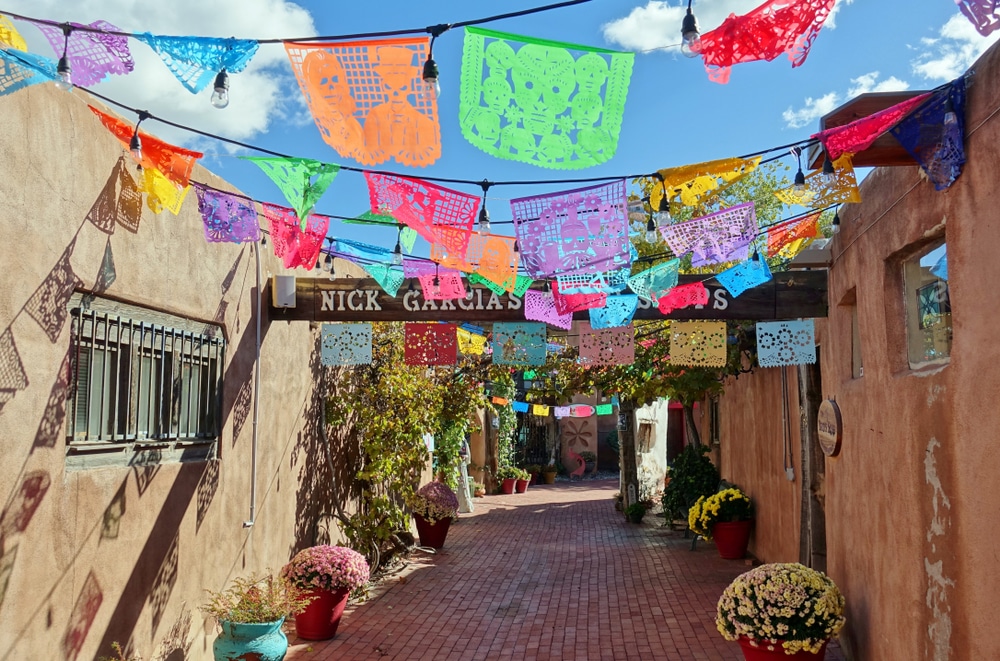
[
  {"x": 910, "y": 502},
  {"x": 99, "y": 555},
  {"x": 751, "y": 455}
]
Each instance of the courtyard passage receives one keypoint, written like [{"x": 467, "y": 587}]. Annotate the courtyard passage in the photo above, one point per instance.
[{"x": 554, "y": 573}]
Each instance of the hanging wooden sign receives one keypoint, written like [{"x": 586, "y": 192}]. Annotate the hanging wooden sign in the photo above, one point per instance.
[
  {"x": 830, "y": 427},
  {"x": 790, "y": 295}
]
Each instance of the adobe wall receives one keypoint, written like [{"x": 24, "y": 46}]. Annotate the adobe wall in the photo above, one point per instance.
[
  {"x": 751, "y": 455},
  {"x": 88, "y": 557},
  {"x": 911, "y": 500}
]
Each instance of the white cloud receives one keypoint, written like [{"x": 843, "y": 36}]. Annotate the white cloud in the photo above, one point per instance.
[
  {"x": 658, "y": 24},
  {"x": 816, "y": 108},
  {"x": 811, "y": 111},
  {"x": 261, "y": 94},
  {"x": 869, "y": 83},
  {"x": 958, "y": 46},
  {"x": 831, "y": 20}
]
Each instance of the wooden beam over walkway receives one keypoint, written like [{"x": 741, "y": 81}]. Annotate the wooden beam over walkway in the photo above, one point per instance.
[{"x": 790, "y": 295}]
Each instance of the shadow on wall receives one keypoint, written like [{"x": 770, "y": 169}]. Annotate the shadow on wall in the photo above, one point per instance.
[{"x": 327, "y": 465}]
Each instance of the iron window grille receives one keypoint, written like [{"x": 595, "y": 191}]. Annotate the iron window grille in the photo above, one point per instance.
[{"x": 136, "y": 383}]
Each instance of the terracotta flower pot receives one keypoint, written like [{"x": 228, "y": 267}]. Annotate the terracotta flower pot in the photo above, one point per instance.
[
  {"x": 550, "y": 478},
  {"x": 521, "y": 486},
  {"x": 508, "y": 485},
  {"x": 761, "y": 653},
  {"x": 320, "y": 619},
  {"x": 732, "y": 538},
  {"x": 432, "y": 534}
]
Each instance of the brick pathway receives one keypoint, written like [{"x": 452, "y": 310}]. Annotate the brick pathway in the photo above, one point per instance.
[{"x": 555, "y": 573}]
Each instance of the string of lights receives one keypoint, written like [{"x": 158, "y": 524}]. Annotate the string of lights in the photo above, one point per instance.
[{"x": 439, "y": 28}]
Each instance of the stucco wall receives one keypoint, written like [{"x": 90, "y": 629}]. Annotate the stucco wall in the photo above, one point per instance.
[
  {"x": 751, "y": 455},
  {"x": 651, "y": 459},
  {"x": 118, "y": 553},
  {"x": 911, "y": 501}
]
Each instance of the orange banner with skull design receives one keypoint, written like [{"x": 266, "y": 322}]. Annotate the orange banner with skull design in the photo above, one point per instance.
[{"x": 369, "y": 100}]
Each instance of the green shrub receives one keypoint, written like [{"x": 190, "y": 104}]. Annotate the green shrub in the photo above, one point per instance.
[{"x": 692, "y": 475}]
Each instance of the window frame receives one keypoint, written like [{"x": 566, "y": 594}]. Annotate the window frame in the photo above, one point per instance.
[
  {"x": 914, "y": 328},
  {"x": 154, "y": 382}
]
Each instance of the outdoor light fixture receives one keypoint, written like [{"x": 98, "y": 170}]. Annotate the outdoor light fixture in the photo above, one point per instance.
[
  {"x": 484, "y": 215},
  {"x": 220, "y": 97},
  {"x": 135, "y": 144},
  {"x": 65, "y": 81},
  {"x": 517, "y": 248},
  {"x": 662, "y": 214},
  {"x": 432, "y": 87},
  {"x": 835, "y": 226},
  {"x": 333, "y": 266},
  {"x": 397, "y": 252},
  {"x": 651, "y": 233},
  {"x": 829, "y": 173},
  {"x": 690, "y": 37},
  {"x": 799, "y": 187}
]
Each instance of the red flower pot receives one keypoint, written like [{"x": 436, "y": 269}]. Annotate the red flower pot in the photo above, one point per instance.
[
  {"x": 534, "y": 479},
  {"x": 732, "y": 538},
  {"x": 751, "y": 653},
  {"x": 320, "y": 619},
  {"x": 521, "y": 486},
  {"x": 508, "y": 485},
  {"x": 432, "y": 534}
]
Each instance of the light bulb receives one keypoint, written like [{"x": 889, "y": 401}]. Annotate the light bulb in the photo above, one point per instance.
[
  {"x": 829, "y": 174},
  {"x": 220, "y": 97},
  {"x": 436, "y": 286},
  {"x": 432, "y": 88},
  {"x": 517, "y": 248},
  {"x": 663, "y": 214},
  {"x": 651, "y": 234},
  {"x": 135, "y": 146},
  {"x": 484, "y": 221},
  {"x": 65, "y": 81},
  {"x": 690, "y": 37},
  {"x": 397, "y": 255},
  {"x": 333, "y": 273},
  {"x": 835, "y": 226},
  {"x": 800, "y": 183}
]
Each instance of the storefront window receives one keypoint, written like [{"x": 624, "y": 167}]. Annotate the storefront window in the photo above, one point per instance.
[{"x": 928, "y": 306}]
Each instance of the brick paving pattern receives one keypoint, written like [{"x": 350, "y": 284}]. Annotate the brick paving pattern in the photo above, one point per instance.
[{"x": 555, "y": 573}]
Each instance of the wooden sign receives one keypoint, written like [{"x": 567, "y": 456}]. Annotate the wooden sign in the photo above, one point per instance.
[
  {"x": 830, "y": 427},
  {"x": 790, "y": 295}
]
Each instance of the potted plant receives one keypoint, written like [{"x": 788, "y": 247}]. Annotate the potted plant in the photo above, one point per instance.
[
  {"x": 781, "y": 611},
  {"x": 635, "y": 512},
  {"x": 726, "y": 516},
  {"x": 523, "y": 480},
  {"x": 478, "y": 489},
  {"x": 434, "y": 506},
  {"x": 589, "y": 461},
  {"x": 508, "y": 476},
  {"x": 549, "y": 472},
  {"x": 327, "y": 575},
  {"x": 692, "y": 475},
  {"x": 533, "y": 471},
  {"x": 250, "y": 613}
]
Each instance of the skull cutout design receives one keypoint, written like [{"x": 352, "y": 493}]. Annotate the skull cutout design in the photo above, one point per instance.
[{"x": 543, "y": 81}]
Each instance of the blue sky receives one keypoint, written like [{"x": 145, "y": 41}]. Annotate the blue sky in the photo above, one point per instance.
[{"x": 674, "y": 115}]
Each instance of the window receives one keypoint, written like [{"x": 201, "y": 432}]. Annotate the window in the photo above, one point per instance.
[
  {"x": 142, "y": 380},
  {"x": 928, "y": 306}
]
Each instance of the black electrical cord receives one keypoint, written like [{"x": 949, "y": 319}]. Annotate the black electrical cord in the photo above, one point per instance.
[{"x": 440, "y": 28}]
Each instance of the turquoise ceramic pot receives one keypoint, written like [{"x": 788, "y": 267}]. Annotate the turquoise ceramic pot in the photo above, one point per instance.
[{"x": 264, "y": 641}]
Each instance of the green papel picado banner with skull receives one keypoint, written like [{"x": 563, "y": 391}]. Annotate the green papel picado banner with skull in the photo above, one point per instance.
[{"x": 548, "y": 103}]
